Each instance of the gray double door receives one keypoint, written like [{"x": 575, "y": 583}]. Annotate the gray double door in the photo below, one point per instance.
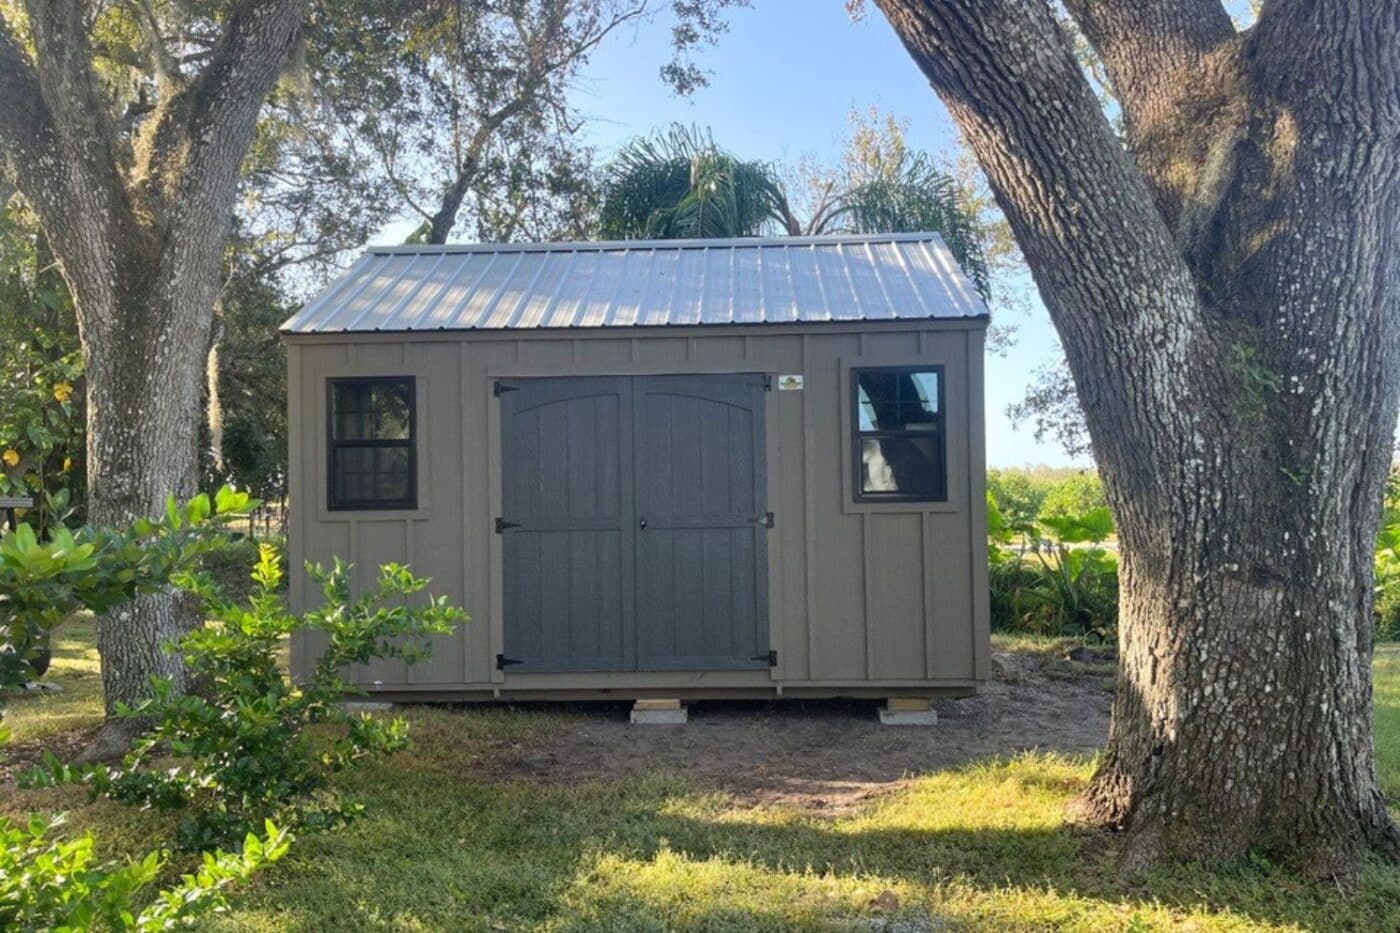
[{"x": 634, "y": 522}]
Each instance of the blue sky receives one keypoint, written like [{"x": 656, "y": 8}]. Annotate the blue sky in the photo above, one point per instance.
[{"x": 783, "y": 82}]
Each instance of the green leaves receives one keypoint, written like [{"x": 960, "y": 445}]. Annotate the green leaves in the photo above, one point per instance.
[
  {"x": 56, "y": 884},
  {"x": 1094, "y": 525},
  {"x": 240, "y": 751},
  {"x": 42, "y": 582},
  {"x": 678, "y": 183},
  {"x": 1060, "y": 580},
  {"x": 911, "y": 195}
]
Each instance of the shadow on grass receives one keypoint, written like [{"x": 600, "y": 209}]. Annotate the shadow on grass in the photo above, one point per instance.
[{"x": 439, "y": 850}]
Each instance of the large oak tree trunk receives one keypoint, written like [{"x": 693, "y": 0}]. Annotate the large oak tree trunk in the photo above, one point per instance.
[
  {"x": 145, "y": 357},
  {"x": 138, "y": 218},
  {"x": 1227, "y": 295}
]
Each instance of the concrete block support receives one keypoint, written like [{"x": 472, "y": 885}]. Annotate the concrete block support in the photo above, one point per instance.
[
  {"x": 659, "y": 712},
  {"x": 908, "y": 711}
]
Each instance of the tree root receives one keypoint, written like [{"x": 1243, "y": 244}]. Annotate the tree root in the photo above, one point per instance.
[{"x": 112, "y": 741}]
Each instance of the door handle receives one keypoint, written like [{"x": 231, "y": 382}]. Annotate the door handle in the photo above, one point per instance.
[{"x": 642, "y": 524}]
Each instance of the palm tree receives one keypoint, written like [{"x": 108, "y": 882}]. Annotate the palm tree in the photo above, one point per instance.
[
  {"x": 677, "y": 183},
  {"x": 910, "y": 194}
]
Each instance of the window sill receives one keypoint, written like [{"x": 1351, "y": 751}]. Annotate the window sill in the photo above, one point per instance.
[{"x": 851, "y": 506}]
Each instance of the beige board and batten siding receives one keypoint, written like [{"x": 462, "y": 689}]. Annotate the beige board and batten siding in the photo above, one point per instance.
[
  {"x": 864, "y": 598},
  {"x": 860, "y": 594}
]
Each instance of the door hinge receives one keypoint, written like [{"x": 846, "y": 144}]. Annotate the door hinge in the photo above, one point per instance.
[
  {"x": 503, "y": 662},
  {"x": 502, "y": 525},
  {"x": 500, "y": 388},
  {"x": 771, "y": 657},
  {"x": 767, "y": 520}
]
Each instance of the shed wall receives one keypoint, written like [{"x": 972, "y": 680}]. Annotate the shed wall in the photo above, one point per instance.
[{"x": 862, "y": 595}]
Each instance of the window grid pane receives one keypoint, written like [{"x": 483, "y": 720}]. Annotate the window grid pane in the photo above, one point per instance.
[
  {"x": 898, "y": 437},
  {"x": 370, "y": 410},
  {"x": 372, "y": 443}
]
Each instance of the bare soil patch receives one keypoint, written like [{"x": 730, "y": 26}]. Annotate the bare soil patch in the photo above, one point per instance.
[{"x": 829, "y": 756}]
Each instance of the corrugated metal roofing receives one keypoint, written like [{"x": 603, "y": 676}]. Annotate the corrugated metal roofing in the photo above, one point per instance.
[{"x": 641, "y": 283}]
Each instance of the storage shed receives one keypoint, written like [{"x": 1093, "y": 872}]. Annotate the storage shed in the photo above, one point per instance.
[{"x": 718, "y": 468}]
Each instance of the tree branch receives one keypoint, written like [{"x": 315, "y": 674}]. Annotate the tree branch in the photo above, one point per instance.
[
  {"x": 1103, "y": 259},
  {"x": 1144, "y": 43},
  {"x": 198, "y": 138},
  {"x": 26, "y": 127},
  {"x": 166, "y": 66},
  {"x": 59, "y": 141},
  {"x": 1316, "y": 52},
  {"x": 1174, "y": 74}
]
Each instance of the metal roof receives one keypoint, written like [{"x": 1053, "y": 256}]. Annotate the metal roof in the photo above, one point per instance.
[{"x": 908, "y": 276}]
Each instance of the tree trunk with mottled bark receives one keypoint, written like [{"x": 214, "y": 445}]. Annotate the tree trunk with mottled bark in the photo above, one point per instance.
[
  {"x": 138, "y": 220},
  {"x": 1226, "y": 292},
  {"x": 145, "y": 362}
]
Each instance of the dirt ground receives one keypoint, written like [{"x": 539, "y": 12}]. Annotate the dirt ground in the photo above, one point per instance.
[
  {"x": 824, "y": 756},
  {"x": 829, "y": 756}
]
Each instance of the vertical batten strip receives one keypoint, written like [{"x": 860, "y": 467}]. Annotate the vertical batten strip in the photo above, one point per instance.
[
  {"x": 867, "y": 598},
  {"x": 408, "y": 352},
  {"x": 974, "y": 407},
  {"x": 468, "y": 535},
  {"x": 808, "y": 541},
  {"x": 926, "y": 564},
  {"x": 296, "y": 486}
]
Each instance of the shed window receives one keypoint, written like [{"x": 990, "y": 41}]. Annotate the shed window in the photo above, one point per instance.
[
  {"x": 372, "y": 443},
  {"x": 898, "y": 438}
]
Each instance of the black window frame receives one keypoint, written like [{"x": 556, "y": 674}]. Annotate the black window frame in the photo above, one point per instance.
[
  {"x": 857, "y": 436},
  {"x": 410, "y": 443}
]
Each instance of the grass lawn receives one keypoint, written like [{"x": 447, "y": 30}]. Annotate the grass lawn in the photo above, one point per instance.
[{"x": 454, "y": 841}]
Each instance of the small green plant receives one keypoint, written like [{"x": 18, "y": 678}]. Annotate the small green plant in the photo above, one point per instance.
[
  {"x": 42, "y": 582},
  {"x": 1387, "y": 592},
  {"x": 1073, "y": 495},
  {"x": 1059, "y": 580},
  {"x": 242, "y": 750},
  {"x": 56, "y": 884}
]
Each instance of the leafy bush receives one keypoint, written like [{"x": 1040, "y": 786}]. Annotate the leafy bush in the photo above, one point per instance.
[
  {"x": 1016, "y": 494},
  {"x": 1029, "y": 494},
  {"x": 1077, "y": 494},
  {"x": 44, "y": 582},
  {"x": 42, "y": 437},
  {"x": 1059, "y": 580},
  {"x": 230, "y": 568},
  {"x": 1387, "y": 593},
  {"x": 55, "y": 884},
  {"x": 48, "y": 884},
  {"x": 241, "y": 752}
]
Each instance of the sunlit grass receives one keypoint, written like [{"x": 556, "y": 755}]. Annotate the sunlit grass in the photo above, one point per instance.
[
  {"x": 450, "y": 842},
  {"x": 34, "y": 716},
  {"x": 1387, "y": 723}
]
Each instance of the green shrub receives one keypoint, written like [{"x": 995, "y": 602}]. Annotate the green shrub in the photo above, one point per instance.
[
  {"x": 241, "y": 751},
  {"x": 230, "y": 568},
  {"x": 1387, "y": 592},
  {"x": 1059, "y": 579},
  {"x": 44, "y": 582},
  {"x": 48, "y": 884},
  {"x": 1077, "y": 494},
  {"x": 1388, "y": 614},
  {"x": 1017, "y": 494},
  {"x": 54, "y": 883}
]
